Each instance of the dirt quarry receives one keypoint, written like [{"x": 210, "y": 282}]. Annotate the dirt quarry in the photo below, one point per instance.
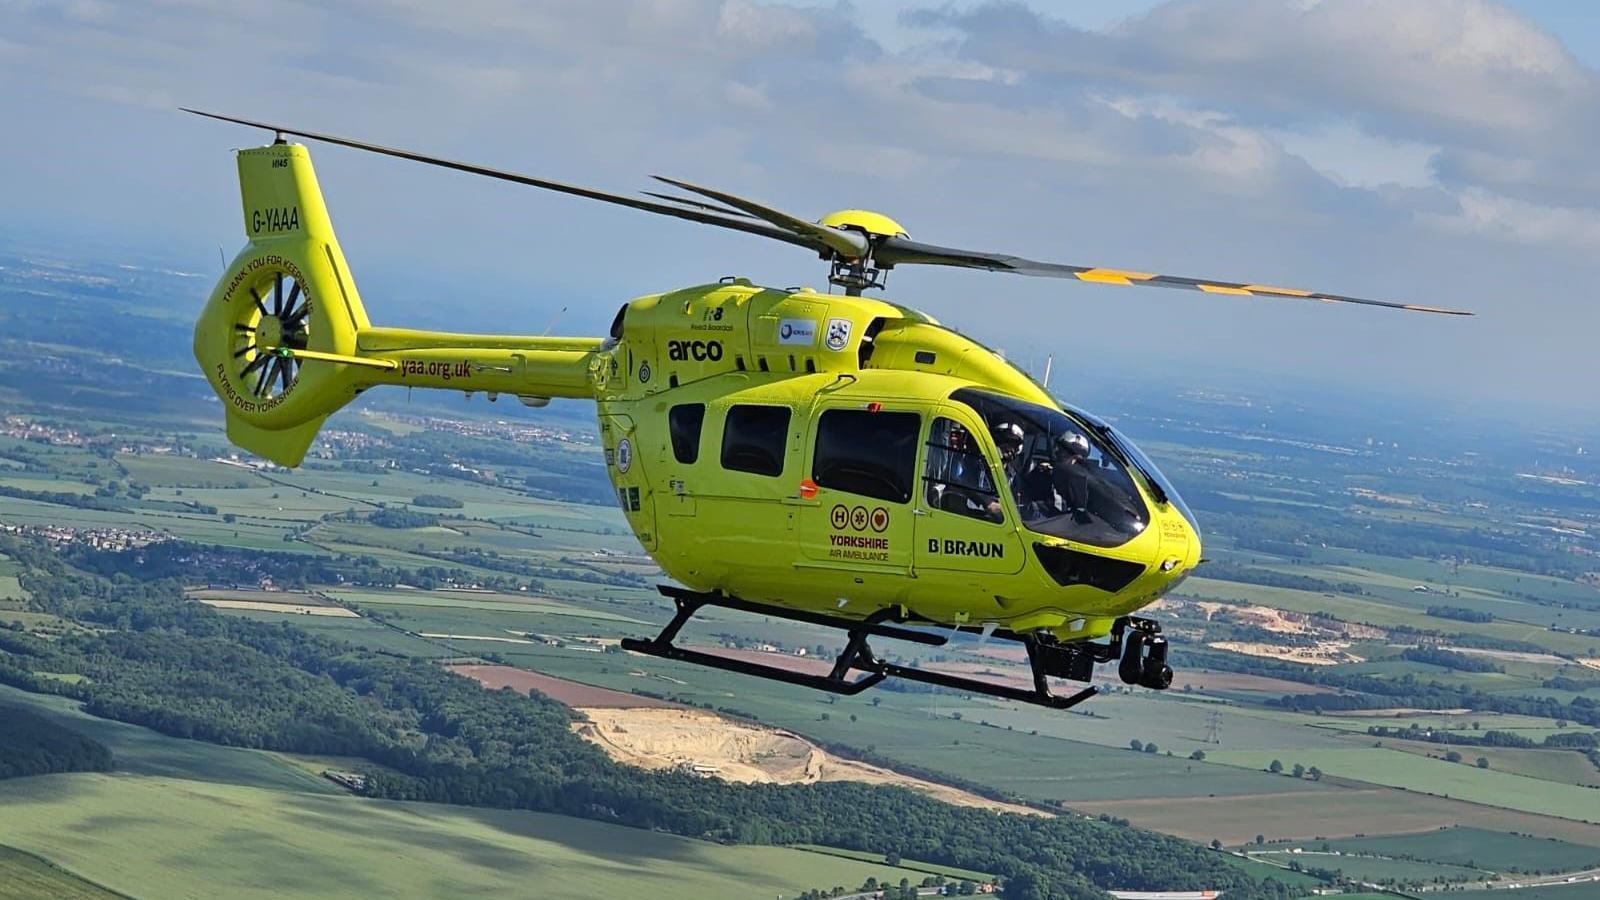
[
  {"x": 717, "y": 747},
  {"x": 1322, "y": 653}
]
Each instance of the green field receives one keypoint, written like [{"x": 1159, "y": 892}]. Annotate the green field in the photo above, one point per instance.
[
  {"x": 27, "y": 877},
  {"x": 1170, "y": 722},
  {"x": 950, "y": 872},
  {"x": 1587, "y": 891},
  {"x": 1476, "y": 847},
  {"x": 1373, "y": 611},
  {"x": 1377, "y": 869},
  {"x": 158, "y": 470},
  {"x": 11, "y": 588},
  {"x": 1530, "y": 726},
  {"x": 1432, "y": 776},
  {"x": 1562, "y": 766},
  {"x": 174, "y": 838},
  {"x": 499, "y": 603},
  {"x": 360, "y": 632},
  {"x": 1266, "y": 870}
]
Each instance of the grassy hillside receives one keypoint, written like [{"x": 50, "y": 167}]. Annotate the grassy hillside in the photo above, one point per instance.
[
  {"x": 173, "y": 838},
  {"x": 26, "y": 877}
]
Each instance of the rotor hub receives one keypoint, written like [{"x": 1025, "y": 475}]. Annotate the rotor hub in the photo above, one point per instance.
[
  {"x": 866, "y": 221},
  {"x": 856, "y": 274},
  {"x": 269, "y": 331}
]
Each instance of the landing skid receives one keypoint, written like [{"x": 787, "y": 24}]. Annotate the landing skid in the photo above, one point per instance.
[{"x": 1046, "y": 657}]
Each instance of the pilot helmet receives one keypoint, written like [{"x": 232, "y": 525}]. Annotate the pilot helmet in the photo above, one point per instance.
[
  {"x": 1072, "y": 443},
  {"x": 957, "y": 437},
  {"x": 1007, "y": 435}
]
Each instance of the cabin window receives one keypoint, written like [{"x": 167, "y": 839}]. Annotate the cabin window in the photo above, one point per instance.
[
  {"x": 873, "y": 454},
  {"x": 753, "y": 439},
  {"x": 957, "y": 476},
  {"x": 684, "y": 422}
]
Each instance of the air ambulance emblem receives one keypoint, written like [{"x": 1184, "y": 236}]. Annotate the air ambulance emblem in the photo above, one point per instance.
[{"x": 838, "y": 333}]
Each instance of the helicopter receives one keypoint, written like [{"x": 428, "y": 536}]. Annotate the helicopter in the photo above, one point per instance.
[{"x": 827, "y": 458}]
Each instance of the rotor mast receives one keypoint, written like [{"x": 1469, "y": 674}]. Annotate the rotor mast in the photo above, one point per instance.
[{"x": 862, "y": 271}]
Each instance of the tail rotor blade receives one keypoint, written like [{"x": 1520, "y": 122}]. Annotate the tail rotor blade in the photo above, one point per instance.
[{"x": 266, "y": 374}]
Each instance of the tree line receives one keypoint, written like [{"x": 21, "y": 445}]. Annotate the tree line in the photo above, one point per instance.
[
  {"x": 1449, "y": 659},
  {"x": 31, "y": 744},
  {"x": 1460, "y": 614}
]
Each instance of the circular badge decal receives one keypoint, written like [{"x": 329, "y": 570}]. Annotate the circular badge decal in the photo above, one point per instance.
[
  {"x": 624, "y": 455},
  {"x": 644, "y": 372},
  {"x": 840, "y": 517},
  {"x": 880, "y": 519},
  {"x": 858, "y": 518}
]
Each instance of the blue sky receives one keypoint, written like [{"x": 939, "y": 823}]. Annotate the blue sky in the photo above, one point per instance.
[{"x": 1435, "y": 151}]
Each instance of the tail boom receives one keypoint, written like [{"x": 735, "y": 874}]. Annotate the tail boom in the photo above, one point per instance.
[
  {"x": 525, "y": 366},
  {"x": 285, "y": 341}
]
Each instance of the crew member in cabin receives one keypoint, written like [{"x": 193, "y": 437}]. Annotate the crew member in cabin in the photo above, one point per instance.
[{"x": 1061, "y": 484}]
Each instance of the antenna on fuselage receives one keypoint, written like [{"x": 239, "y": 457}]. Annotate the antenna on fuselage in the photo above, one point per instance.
[
  {"x": 1048, "y": 362},
  {"x": 552, "y": 323}
]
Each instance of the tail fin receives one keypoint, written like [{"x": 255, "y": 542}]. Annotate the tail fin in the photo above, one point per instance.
[
  {"x": 285, "y": 341},
  {"x": 288, "y": 288}
]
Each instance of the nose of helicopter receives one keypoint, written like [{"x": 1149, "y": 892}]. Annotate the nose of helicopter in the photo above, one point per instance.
[{"x": 1180, "y": 547}]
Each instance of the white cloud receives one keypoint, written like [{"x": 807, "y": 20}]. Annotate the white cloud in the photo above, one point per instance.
[
  {"x": 1351, "y": 157},
  {"x": 1395, "y": 147},
  {"x": 1486, "y": 214},
  {"x": 1504, "y": 103}
]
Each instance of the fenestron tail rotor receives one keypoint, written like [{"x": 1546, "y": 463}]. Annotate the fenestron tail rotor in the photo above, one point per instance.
[
  {"x": 272, "y": 330},
  {"x": 861, "y": 246}
]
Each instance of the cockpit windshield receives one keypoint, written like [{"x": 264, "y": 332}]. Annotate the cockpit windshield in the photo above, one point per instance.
[
  {"x": 1152, "y": 473},
  {"x": 1066, "y": 479}
]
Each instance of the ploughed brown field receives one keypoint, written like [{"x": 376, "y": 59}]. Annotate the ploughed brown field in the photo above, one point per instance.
[
  {"x": 809, "y": 665},
  {"x": 560, "y": 690}
]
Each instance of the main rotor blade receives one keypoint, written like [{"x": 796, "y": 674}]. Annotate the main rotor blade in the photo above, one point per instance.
[
  {"x": 892, "y": 251},
  {"x": 848, "y": 244},
  {"x": 705, "y": 218},
  {"x": 697, "y": 204}
]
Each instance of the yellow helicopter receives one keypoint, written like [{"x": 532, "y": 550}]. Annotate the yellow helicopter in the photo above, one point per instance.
[{"x": 820, "y": 457}]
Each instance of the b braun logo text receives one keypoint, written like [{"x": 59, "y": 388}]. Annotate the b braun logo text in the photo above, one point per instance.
[{"x": 981, "y": 549}]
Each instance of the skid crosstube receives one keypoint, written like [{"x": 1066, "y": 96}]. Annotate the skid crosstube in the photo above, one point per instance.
[{"x": 1046, "y": 657}]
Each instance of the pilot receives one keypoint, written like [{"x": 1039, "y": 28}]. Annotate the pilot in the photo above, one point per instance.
[
  {"x": 1071, "y": 475},
  {"x": 1061, "y": 485},
  {"x": 969, "y": 489},
  {"x": 1008, "y": 439}
]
